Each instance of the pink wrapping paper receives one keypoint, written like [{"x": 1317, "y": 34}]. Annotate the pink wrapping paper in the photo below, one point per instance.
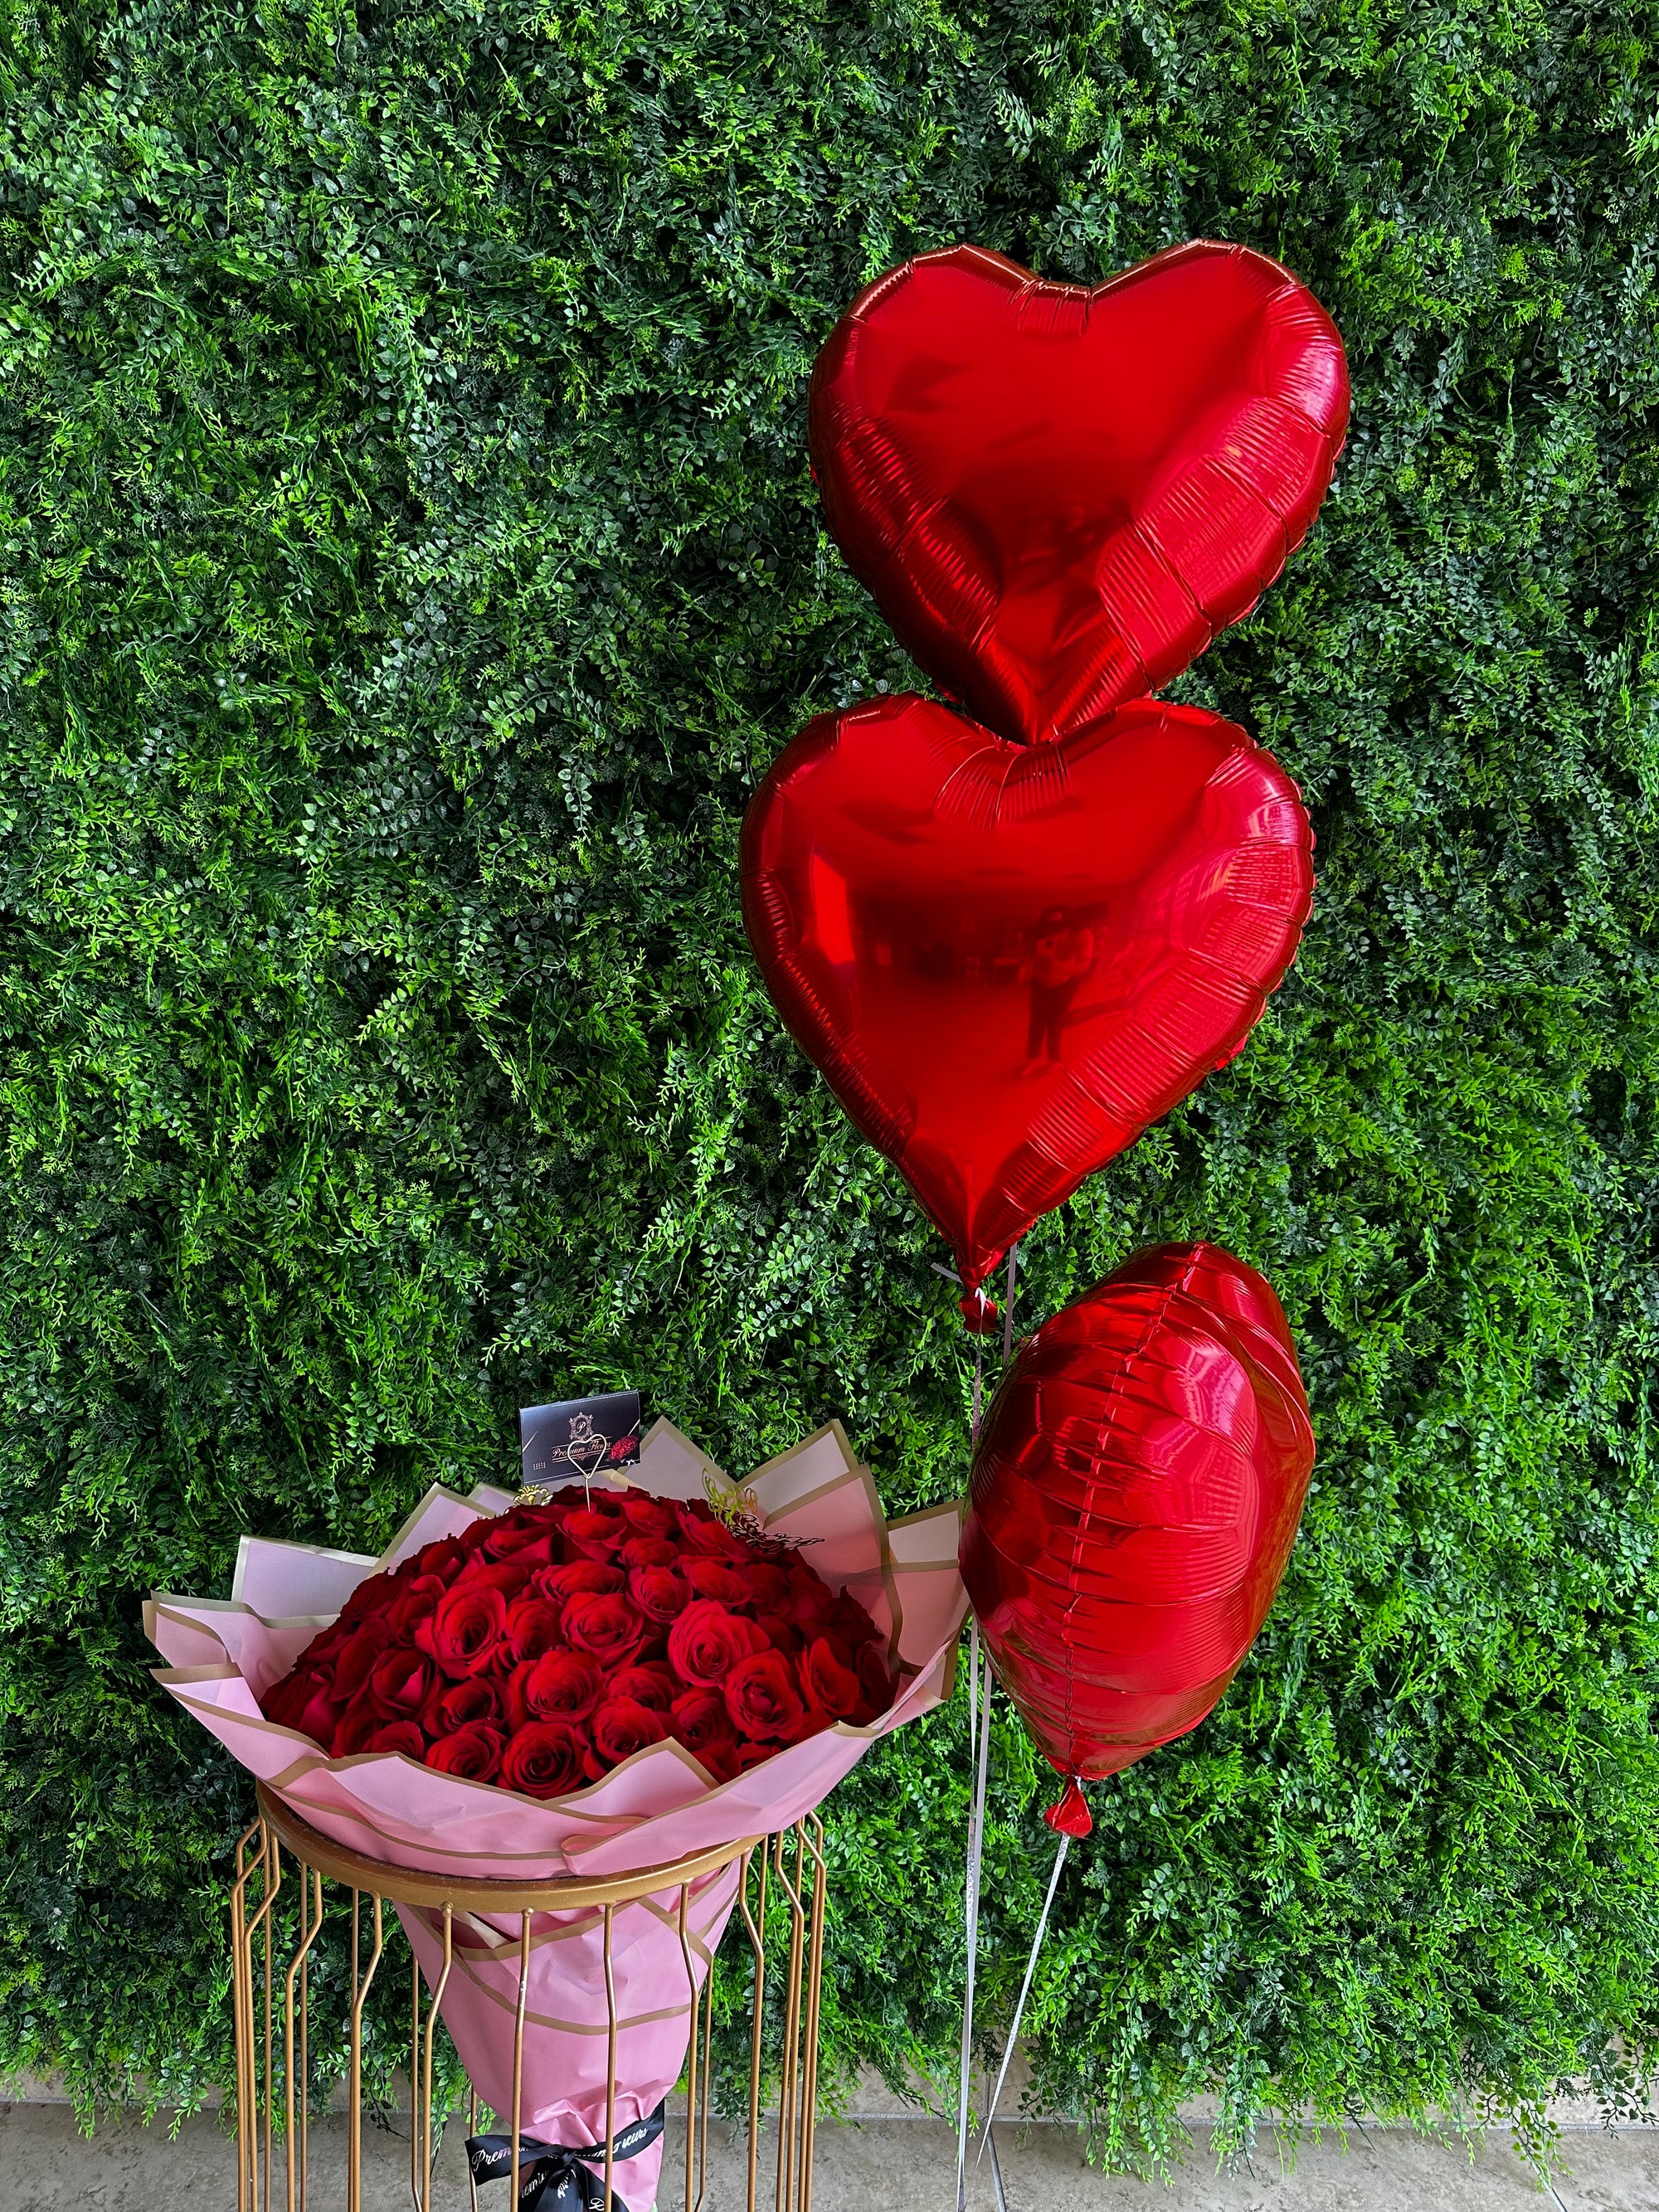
[
  {"x": 656, "y": 1806},
  {"x": 565, "y": 2021}
]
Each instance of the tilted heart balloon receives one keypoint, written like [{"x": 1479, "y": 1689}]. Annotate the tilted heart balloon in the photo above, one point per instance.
[
  {"x": 1007, "y": 960},
  {"x": 1058, "y": 496},
  {"x": 1135, "y": 1492}
]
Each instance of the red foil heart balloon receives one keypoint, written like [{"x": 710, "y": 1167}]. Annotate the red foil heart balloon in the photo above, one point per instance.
[
  {"x": 1135, "y": 1492},
  {"x": 1058, "y": 496},
  {"x": 1007, "y": 960}
]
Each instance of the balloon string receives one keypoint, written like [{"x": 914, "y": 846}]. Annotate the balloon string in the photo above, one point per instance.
[
  {"x": 979, "y": 1750},
  {"x": 1024, "y": 1991},
  {"x": 975, "y": 1842},
  {"x": 973, "y": 1677}
]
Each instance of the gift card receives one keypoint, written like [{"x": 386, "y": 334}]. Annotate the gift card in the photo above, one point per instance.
[{"x": 581, "y": 1436}]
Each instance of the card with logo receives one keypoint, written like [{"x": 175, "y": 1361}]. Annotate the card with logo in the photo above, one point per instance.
[{"x": 583, "y": 1437}]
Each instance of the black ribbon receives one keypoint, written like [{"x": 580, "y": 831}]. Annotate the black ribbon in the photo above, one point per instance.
[{"x": 557, "y": 2177}]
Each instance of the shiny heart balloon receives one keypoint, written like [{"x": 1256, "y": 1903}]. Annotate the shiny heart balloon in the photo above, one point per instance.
[
  {"x": 1135, "y": 1492},
  {"x": 1058, "y": 496},
  {"x": 1007, "y": 960}
]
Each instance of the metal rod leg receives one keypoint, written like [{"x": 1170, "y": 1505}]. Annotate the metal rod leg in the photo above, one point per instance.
[
  {"x": 518, "y": 2048},
  {"x": 691, "y": 2049},
  {"x": 426, "y": 2062},
  {"x": 757, "y": 1944},
  {"x": 812, "y": 1828}
]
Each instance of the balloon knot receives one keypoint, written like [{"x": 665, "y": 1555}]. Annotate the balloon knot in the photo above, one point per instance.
[
  {"x": 981, "y": 1314},
  {"x": 1070, "y": 1816}
]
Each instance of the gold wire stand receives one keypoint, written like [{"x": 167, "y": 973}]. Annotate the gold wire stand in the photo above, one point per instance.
[{"x": 270, "y": 2000}]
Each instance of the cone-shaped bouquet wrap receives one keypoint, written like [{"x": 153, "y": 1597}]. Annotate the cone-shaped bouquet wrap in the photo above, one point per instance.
[{"x": 658, "y": 1806}]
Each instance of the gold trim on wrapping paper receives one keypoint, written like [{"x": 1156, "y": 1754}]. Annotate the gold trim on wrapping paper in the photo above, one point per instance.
[
  {"x": 478, "y": 1893},
  {"x": 163, "y": 1604},
  {"x": 607, "y": 1826},
  {"x": 625, "y": 2022},
  {"x": 291, "y": 1544},
  {"x": 853, "y": 1472},
  {"x": 580, "y": 1920}
]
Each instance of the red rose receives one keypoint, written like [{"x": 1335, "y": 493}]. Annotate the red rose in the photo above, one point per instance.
[
  {"x": 781, "y": 1632},
  {"x": 847, "y": 1619},
  {"x": 370, "y": 1597},
  {"x": 651, "y": 1685},
  {"x": 762, "y": 1700},
  {"x": 467, "y": 1629},
  {"x": 706, "y": 1642},
  {"x": 325, "y": 1645},
  {"x": 649, "y": 1517},
  {"x": 305, "y": 1702},
  {"x": 622, "y": 1726},
  {"x": 580, "y": 1578},
  {"x": 472, "y": 1753},
  {"x": 828, "y": 1682},
  {"x": 768, "y": 1586},
  {"x": 444, "y": 1559},
  {"x": 721, "y": 1758},
  {"x": 512, "y": 1537},
  {"x": 357, "y": 1654},
  {"x": 353, "y": 1729},
  {"x": 698, "y": 1718},
  {"x": 288, "y": 1696},
  {"x": 755, "y": 1754},
  {"x": 609, "y": 1627},
  {"x": 658, "y": 1592},
  {"x": 458, "y": 1705},
  {"x": 532, "y": 1626},
  {"x": 397, "y": 1736},
  {"x": 595, "y": 1532},
  {"x": 543, "y": 1758},
  {"x": 419, "y": 1598},
  {"x": 560, "y": 1685},
  {"x": 809, "y": 1605},
  {"x": 718, "y": 1579},
  {"x": 876, "y": 1683},
  {"x": 704, "y": 1534},
  {"x": 477, "y": 1534},
  {"x": 401, "y": 1681},
  {"x": 647, "y": 1551},
  {"x": 508, "y": 1576}
]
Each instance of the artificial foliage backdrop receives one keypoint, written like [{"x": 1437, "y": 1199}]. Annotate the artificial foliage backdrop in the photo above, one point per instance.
[{"x": 411, "y": 564}]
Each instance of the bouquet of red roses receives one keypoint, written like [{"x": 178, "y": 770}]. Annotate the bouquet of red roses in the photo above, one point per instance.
[
  {"x": 591, "y": 1685},
  {"x": 539, "y": 1650}
]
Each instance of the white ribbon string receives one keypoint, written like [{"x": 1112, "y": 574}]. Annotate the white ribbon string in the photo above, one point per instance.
[
  {"x": 979, "y": 1752},
  {"x": 975, "y": 1843},
  {"x": 1024, "y": 1991},
  {"x": 973, "y": 1689}
]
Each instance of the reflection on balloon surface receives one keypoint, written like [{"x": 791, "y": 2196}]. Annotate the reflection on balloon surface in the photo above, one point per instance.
[
  {"x": 1135, "y": 1493},
  {"x": 1007, "y": 961},
  {"x": 1058, "y": 495}
]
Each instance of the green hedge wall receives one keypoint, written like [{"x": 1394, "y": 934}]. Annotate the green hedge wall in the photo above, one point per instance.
[{"x": 411, "y": 562}]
